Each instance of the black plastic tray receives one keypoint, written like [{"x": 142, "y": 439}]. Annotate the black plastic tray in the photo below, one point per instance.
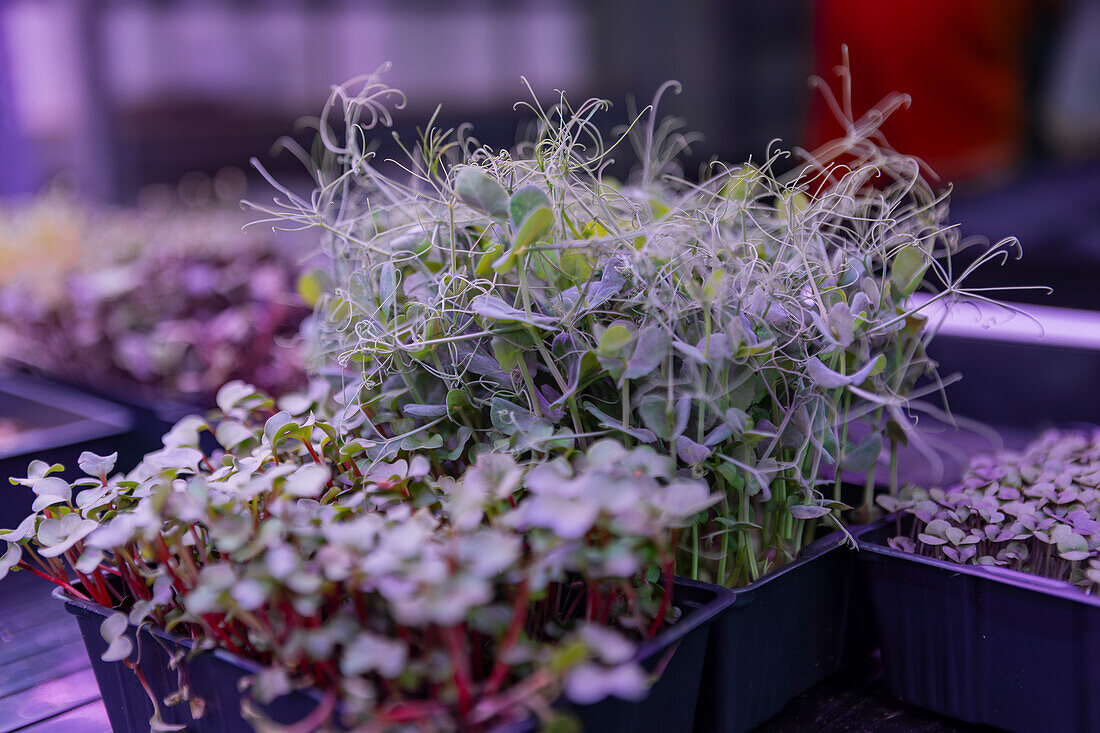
[
  {"x": 154, "y": 411},
  {"x": 988, "y": 646},
  {"x": 56, "y": 424},
  {"x": 213, "y": 677},
  {"x": 783, "y": 634},
  {"x": 669, "y": 708}
]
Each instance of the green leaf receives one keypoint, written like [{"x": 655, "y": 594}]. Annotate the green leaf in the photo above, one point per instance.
[
  {"x": 536, "y": 226},
  {"x": 278, "y": 426},
  {"x": 712, "y": 286},
  {"x": 568, "y": 656},
  {"x": 474, "y": 188},
  {"x": 506, "y": 262},
  {"x": 656, "y": 415},
  {"x": 733, "y": 475},
  {"x": 658, "y": 208},
  {"x": 615, "y": 339},
  {"x": 574, "y": 265},
  {"x": 493, "y": 308},
  {"x": 96, "y": 465},
  {"x": 312, "y": 285},
  {"x": 649, "y": 353},
  {"x": 1073, "y": 547},
  {"x": 233, "y": 393},
  {"x": 231, "y": 433},
  {"x": 562, "y": 722},
  {"x": 457, "y": 399},
  {"x": 826, "y": 377},
  {"x": 808, "y": 511},
  {"x": 908, "y": 270},
  {"x": 793, "y": 205},
  {"x": 742, "y": 183},
  {"x": 422, "y": 441},
  {"x": 508, "y": 417},
  {"x": 526, "y": 201},
  {"x": 606, "y": 421},
  {"x": 507, "y": 354},
  {"x": 329, "y": 431},
  {"x": 484, "y": 266},
  {"x": 418, "y": 410}
]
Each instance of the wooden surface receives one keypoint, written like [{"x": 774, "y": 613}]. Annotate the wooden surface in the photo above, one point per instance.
[
  {"x": 46, "y": 681},
  {"x": 47, "y": 686}
]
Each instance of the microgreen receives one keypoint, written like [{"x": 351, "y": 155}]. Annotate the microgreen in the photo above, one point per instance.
[
  {"x": 751, "y": 324},
  {"x": 445, "y": 594},
  {"x": 1036, "y": 511},
  {"x": 177, "y": 301}
]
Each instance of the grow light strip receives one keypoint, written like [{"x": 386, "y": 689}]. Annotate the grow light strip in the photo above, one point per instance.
[{"x": 1041, "y": 325}]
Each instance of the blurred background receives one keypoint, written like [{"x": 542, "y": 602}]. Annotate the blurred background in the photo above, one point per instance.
[
  {"x": 127, "y": 102},
  {"x": 115, "y": 95}
]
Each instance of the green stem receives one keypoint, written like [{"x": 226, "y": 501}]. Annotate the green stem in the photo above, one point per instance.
[
  {"x": 869, "y": 482},
  {"x": 893, "y": 467},
  {"x": 746, "y": 537},
  {"x": 530, "y": 385},
  {"x": 695, "y": 551},
  {"x": 846, "y": 409},
  {"x": 625, "y": 396},
  {"x": 721, "y": 576}
]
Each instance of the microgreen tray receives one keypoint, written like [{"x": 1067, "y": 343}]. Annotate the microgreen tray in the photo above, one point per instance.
[
  {"x": 677, "y": 652},
  {"x": 985, "y": 645},
  {"x": 783, "y": 634},
  {"x": 52, "y": 423}
]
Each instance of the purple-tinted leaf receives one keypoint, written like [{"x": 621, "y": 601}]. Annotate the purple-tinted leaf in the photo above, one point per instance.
[
  {"x": 823, "y": 376},
  {"x": 691, "y": 452},
  {"x": 864, "y": 455},
  {"x": 425, "y": 410},
  {"x": 590, "y": 683},
  {"x": 808, "y": 511},
  {"x": 606, "y": 421},
  {"x": 494, "y": 308},
  {"x": 649, "y": 353},
  {"x": 715, "y": 349}
]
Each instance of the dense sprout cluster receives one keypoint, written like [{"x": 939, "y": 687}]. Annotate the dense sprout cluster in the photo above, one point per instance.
[
  {"x": 411, "y": 593},
  {"x": 1036, "y": 511},
  {"x": 744, "y": 324},
  {"x": 173, "y": 301}
]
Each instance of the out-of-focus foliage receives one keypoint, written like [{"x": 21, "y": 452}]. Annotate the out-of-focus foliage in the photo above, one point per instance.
[
  {"x": 178, "y": 300},
  {"x": 1037, "y": 511}
]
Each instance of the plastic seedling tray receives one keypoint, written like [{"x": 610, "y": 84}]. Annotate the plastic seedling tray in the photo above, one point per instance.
[
  {"x": 782, "y": 635},
  {"x": 984, "y": 645},
  {"x": 213, "y": 676},
  {"x": 55, "y": 424},
  {"x": 154, "y": 412}
]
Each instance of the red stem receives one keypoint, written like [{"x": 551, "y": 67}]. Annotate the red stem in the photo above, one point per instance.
[
  {"x": 519, "y": 616},
  {"x": 452, "y": 635},
  {"x": 407, "y": 712},
  {"x": 57, "y": 581},
  {"x": 593, "y": 601},
  {"x": 212, "y": 622},
  {"x": 659, "y": 619},
  {"x": 136, "y": 585},
  {"x": 199, "y": 544},
  {"x": 316, "y": 459}
]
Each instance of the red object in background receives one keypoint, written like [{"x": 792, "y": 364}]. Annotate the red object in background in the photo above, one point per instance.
[{"x": 961, "y": 62}]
